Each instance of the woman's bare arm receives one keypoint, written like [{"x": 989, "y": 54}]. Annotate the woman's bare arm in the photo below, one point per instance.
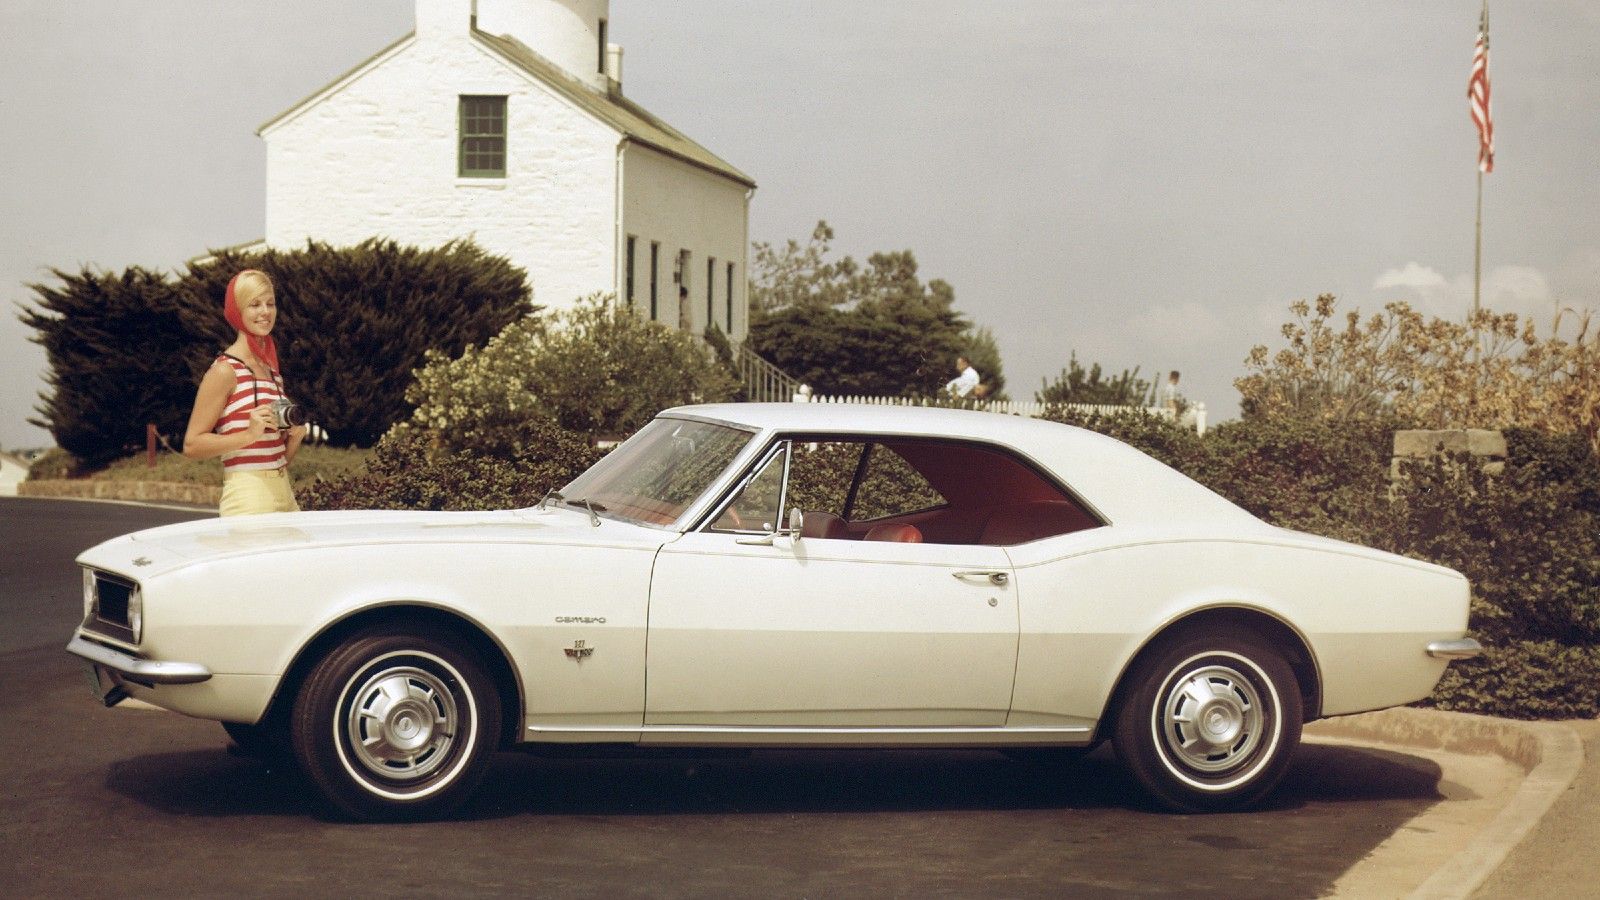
[{"x": 199, "y": 441}]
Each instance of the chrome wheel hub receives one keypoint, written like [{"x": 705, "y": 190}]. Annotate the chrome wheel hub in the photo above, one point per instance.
[
  {"x": 402, "y": 723},
  {"x": 1211, "y": 719}
]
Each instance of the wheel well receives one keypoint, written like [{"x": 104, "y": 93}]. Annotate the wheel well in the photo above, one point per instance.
[
  {"x": 1267, "y": 627},
  {"x": 494, "y": 659}
]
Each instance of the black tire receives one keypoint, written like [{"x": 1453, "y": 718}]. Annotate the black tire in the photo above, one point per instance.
[
  {"x": 1208, "y": 721},
  {"x": 396, "y": 724}
]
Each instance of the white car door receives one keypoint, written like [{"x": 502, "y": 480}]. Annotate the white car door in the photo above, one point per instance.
[{"x": 789, "y": 632}]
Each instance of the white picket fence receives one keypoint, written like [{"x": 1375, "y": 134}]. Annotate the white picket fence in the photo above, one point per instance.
[{"x": 1195, "y": 415}]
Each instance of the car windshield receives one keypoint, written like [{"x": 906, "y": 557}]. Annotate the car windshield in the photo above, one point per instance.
[{"x": 655, "y": 475}]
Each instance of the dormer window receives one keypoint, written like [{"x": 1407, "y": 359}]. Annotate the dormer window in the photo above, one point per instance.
[{"x": 483, "y": 137}]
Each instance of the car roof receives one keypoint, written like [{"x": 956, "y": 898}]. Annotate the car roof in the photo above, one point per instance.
[{"x": 1124, "y": 485}]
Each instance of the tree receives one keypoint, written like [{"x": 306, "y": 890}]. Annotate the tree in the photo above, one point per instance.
[
  {"x": 849, "y": 329},
  {"x": 1076, "y": 384},
  {"x": 796, "y": 275},
  {"x": 596, "y": 369},
  {"x": 122, "y": 352},
  {"x": 1493, "y": 371}
]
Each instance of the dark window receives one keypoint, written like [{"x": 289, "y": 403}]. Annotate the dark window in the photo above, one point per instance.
[
  {"x": 711, "y": 289},
  {"x": 602, "y": 55},
  {"x": 730, "y": 298},
  {"x": 483, "y": 137},
  {"x": 953, "y": 493},
  {"x": 655, "y": 273},
  {"x": 628, "y": 278}
]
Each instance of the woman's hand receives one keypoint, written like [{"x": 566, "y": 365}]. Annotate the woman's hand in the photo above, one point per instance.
[{"x": 261, "y": 421}]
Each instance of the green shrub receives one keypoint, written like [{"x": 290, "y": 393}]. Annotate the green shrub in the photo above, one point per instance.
[
  {"x": 508, "y": 468},
  {"x": 1525, "y": 680},
  {"x": 596, "y": 369},
  {"x": 55, "y": 463}
]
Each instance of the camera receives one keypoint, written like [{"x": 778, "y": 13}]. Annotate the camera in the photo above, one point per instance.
[{"x": 288, "y": 413}]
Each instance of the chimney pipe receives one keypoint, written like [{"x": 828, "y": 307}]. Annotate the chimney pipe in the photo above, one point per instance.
[{"x": 614, "y": 64}]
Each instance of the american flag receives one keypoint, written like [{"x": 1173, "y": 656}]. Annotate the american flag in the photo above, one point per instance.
[{"x": 1478, "y": 91}]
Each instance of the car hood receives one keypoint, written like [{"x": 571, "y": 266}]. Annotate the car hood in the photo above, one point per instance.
[{"x": 150, "y": 552}]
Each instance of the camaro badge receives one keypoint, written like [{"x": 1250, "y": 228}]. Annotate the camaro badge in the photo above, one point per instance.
[{"x": 578, "y": 651}]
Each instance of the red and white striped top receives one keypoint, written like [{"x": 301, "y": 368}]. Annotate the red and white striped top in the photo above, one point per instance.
[{"x": 249, "y": 392}]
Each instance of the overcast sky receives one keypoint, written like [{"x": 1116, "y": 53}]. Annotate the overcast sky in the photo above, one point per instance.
[{"x": 1146, "y": 183}]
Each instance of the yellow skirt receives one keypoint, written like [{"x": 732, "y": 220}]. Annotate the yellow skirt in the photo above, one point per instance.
[{"x": 260, "y": 491}]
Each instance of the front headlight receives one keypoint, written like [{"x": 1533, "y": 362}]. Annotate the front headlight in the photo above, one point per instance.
[
  {"x": 88, "y": 592},
  {"x": 136, "y": 612}
]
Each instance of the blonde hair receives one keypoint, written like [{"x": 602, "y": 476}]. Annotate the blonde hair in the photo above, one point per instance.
[{"x": 249, "y": 284}]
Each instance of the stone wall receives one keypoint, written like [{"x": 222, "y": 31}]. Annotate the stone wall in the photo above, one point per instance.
[
  {"x": 1489, "y": 447},
  {"x": 143, "y": 491}
]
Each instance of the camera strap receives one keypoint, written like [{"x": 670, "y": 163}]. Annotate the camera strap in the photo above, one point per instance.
[{"x": 255, "y": 392}]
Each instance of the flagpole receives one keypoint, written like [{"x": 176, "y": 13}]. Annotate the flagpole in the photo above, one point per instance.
[
  {"x": 1477, "y": 248},
  {"x": 1477, "y": 237}
]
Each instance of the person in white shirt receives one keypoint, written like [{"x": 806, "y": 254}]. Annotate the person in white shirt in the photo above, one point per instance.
[
  {"x": 962, "y": 384},
  {"x": 1169, "y": 393}
]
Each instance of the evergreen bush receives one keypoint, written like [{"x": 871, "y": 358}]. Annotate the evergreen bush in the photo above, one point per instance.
[
  {"x": 510, "y": 467},
  {"x": 128, "y": 348}
]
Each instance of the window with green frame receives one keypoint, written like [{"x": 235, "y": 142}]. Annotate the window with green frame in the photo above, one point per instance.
[{"x": 483, "y": 137}]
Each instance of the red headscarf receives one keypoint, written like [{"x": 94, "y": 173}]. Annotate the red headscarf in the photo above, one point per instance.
[{"x": 265, "y": 348}]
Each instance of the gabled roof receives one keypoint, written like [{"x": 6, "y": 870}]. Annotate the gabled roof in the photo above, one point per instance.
[
  {"x": 611, "y": 107},
  {"x": 615, "y": 110}
]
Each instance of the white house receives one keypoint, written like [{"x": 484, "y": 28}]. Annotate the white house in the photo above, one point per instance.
[
  {"x": 504, "y": 121},
  {"x": 13, "y": 471}
]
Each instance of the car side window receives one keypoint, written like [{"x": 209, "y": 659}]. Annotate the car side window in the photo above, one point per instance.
[
  {"x": 891, "y": 487},
  {"x": 755, "y": 509}
]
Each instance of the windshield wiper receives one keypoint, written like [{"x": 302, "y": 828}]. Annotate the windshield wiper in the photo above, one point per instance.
[
  {"x": 544, "y": 502},
  {"x": 591, "y": 506}
]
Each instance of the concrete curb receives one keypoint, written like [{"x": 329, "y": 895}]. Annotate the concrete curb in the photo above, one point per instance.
[{"x": 1550, "y": 753}]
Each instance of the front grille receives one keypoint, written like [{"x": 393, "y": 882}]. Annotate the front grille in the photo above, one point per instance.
[{"x": 110, "y": 614}]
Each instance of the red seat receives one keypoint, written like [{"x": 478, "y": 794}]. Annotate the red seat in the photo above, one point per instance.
[{"x": 893, "y": 531}]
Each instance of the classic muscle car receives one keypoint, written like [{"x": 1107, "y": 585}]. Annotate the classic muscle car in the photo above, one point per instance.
[{"x": 778, "y": 575}]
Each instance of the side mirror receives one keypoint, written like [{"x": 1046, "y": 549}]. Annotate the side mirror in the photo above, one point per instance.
[{"x": 797, "y": 523}]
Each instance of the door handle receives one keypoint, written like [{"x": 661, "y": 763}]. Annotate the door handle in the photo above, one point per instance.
[{"x": 998, "y": 579}]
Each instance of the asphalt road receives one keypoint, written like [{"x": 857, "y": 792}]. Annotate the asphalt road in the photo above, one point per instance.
[{"x": 127, "y": 802}]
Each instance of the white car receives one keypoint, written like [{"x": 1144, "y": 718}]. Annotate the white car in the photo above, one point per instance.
[{"x": 778, "y": 575}]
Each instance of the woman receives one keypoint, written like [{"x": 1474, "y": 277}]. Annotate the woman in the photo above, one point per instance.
[{"x": 233, "y": 416}]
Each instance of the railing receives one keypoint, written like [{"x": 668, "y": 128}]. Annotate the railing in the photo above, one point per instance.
[
  {"x": 766, "y": 383},
  {"x": 1195, "y": 415},
  {"x": 763, "y": 382}
]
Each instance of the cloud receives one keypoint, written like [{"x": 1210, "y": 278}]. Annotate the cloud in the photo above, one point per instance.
[{"x": 1524, "y": 290}]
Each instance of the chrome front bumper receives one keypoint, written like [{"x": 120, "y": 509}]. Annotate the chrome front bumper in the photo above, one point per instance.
[
  {"x": 139, "y": 671},
  {"x": 1462, "y": 648}
]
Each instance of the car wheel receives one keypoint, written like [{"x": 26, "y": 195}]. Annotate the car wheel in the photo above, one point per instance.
[
  {"x": 396, "y": 725},
  {"x": 1209, "y": 721}
]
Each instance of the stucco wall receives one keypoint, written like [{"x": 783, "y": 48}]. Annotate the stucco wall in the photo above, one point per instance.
[
  {"x": 378, "y": 157},
  {"x": 684, "y": 207}
]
